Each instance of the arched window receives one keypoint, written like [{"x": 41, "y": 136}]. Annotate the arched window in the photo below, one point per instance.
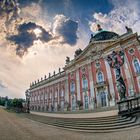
[
  {"x": 62, "y": 93},
  {"x": 72, "y": 87},
  {"x": 35, "y": 97},
  {"x": 38, "y": 97},
  {"x": 84, "y": 83},
  {"x": 100, "y": 77},
  {"x": 42, "y": 96},
  {"x": 50, "y": 95},
  {"x": 136, "y": 65},
  {"x": 46, "y": 95},
  {"x": 56, "y": 92}
]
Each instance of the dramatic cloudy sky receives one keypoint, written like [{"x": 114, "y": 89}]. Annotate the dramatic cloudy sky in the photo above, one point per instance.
[{"x": 37, "y": 35}]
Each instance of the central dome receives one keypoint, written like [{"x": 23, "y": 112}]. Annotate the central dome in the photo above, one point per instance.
[{"x": 104, "y": 35}]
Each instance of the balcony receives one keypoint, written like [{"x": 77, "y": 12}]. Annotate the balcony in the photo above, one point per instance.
[
  {"x": 101, "y": 84},
  {"x": 85, "y": 89}
]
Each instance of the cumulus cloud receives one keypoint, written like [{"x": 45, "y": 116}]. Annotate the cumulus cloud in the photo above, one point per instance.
[
  {"x": 9, "y": 11},
  {"x": 33, "y": 12},
  {"x": 13, "y": 19},
  {"x": 21, "y": 33},
  {"x": 124, "y": 13},
  {"x": 27, "y": 34},
  {"x": 66, "y": 28},
  {"x": 9, "y": 7}
]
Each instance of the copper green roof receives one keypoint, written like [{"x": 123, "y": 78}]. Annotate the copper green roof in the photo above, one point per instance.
[{"x": 104, "y": 35}]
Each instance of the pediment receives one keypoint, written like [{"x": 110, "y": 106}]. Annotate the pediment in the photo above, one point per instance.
[{"x": 92, "y": 50}]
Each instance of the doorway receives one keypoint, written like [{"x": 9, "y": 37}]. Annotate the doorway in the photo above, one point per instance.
[
  {"x": 86, "y": 104},
  {"x": 73, "y": 103},
  {"x": 103, "y": 99}
]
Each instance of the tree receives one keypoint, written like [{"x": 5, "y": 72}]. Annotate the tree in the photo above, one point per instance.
[
  {"x": 17, "y": 103},
  {"x": 3, "y": 101}
]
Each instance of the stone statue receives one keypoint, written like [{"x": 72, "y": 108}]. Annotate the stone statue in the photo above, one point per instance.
[
  {"x": 99, "y": 27},
  {"x": 78, "y": 52},
  {"x": 59, "y": 70},
  {"x": 116, "y": 60},
  {"x": 129, "y": 30},
  {"x": 91, "y": 36},
  {"x": 49, "y": 75},
  {"x": 54, "y": 73},
  {"x": 45, "y": 77},
  {"x": 67, "y": 60}
]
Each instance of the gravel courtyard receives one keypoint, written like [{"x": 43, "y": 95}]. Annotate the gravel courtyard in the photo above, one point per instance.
[{"x": 17, "y": 127}]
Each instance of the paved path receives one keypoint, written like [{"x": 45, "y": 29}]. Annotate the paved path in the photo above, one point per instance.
[
  {"x": 80, "y": 115},
  {"x": 17, "y": 127}
]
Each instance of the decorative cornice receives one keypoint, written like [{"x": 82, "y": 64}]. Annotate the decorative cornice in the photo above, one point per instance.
[{"x": 48, "y": 80}]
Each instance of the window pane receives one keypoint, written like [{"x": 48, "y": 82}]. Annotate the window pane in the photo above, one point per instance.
[
  {"x": 137, "y": 65},
  {"x": 84, "y": 83},
  {"x": 100, "y": 77},
  {"x": 72, "y": 87}
]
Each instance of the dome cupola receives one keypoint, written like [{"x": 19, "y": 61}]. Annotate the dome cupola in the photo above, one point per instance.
[{"x": 102, "y": 35}]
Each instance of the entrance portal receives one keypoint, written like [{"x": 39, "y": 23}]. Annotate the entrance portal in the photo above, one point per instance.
[
  {"x": 55, "y": 106},
  {"x": 62, "y": 105},
  {"x": 103, "y": 99},
  {"x": 73, "y": 103},
  {"x": 86, "y": 105}
]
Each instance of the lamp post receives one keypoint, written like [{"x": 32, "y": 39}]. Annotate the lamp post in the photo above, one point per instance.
[
  {"x": 6, "y": 101},
  {"x": 116, "y": 60},
  {"x": 27, "y": 92}
]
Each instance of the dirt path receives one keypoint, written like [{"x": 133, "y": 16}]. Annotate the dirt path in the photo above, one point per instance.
[{"x": 17, "y": 127}]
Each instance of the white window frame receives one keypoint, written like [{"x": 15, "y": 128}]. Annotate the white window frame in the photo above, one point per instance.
[
  {"x": 84, "y": 85},
  {"x": 62, "y": 93},
  {"x": 136, "y": 70},
  {"x": 98, "y": 80},
  {"x": 56, "y": 93},
  {"x": 72, "y": 88}
]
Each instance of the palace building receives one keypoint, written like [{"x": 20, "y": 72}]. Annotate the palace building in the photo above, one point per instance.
[{"x": 87, "y": 81}]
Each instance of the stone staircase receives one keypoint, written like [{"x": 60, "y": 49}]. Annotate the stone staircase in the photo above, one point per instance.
[{"x": 93, "y": 125}]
